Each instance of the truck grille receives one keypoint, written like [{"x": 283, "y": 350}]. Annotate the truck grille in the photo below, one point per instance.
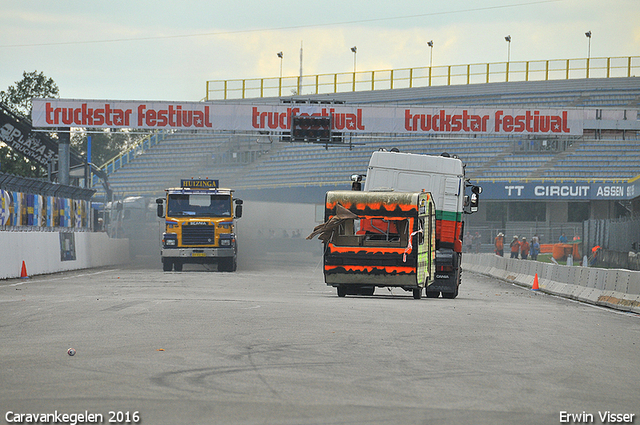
[{"x": 198, "y": 235}]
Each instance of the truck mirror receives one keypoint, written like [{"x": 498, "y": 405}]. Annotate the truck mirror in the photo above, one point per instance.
[
  {"x": 159, "y": 201},
  {"x": 239, "y": 203},
  {"x": 475, "y": 200}
]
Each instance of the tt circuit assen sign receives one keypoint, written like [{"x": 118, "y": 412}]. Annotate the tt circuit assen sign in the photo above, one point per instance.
[
  {"x": 277, "y": 118},
  {"x": 560, "y": 191}
]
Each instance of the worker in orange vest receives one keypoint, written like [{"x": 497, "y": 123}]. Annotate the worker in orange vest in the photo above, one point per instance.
[
  {"x": 524, "y": 249},
  {"x": 499, "y": 243},
  {"x": 515, "y": 247}
]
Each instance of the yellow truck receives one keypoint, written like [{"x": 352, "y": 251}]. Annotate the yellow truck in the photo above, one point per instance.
[
  {"x": 199, "y": 225},
  {"x": 378, "y": 239}
]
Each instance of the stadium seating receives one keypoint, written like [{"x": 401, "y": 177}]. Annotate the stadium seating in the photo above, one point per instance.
[{"x": 241, "y": 161}]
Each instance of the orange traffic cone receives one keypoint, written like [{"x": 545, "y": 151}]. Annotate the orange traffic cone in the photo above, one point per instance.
[
  {"x": 535, "y": 286},
  {"x": 23, "y": 272}
]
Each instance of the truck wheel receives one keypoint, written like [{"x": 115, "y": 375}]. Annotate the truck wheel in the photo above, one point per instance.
[
  {"x": 167, "y": 264},
  {"x": 342, "y": 291},
  {"x": 177, "y": 266},
  {"x": 417, "y": 293},
  {"x": 432, "y": 293},
  {"x": 450, "y": 295},
  {"x": 367, "y": 290},
  {"x": 228, "y": 264}
]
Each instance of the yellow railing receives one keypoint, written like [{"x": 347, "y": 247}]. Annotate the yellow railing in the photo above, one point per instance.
[
  {"x": 555, "y": 69},
  {"x": 127, "y": 156}
]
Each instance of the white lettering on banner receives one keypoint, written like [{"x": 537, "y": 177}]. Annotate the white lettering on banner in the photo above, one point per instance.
[
  {"x": 28, "y": 144},
  {"x": 610, "y": 191},
  {"x": 352, "y": 119},
  {"x": 518, "y": 188},
  {"x": 561, "y": 191}
]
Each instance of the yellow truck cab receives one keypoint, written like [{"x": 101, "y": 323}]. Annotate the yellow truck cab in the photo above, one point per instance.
[
  {"x": 378, "y": 239},
  {"x": 199, "y": 225}
]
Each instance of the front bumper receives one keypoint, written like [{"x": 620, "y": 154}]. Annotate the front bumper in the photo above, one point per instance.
[{"x": 197, "y": 252}]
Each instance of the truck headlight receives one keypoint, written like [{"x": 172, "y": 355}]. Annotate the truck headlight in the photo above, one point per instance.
[
  {"x": 170, "y": 240},
  {"x": 225, "y": 242}
]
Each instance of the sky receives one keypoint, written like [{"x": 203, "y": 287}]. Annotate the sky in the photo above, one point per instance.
[{"x": 167, "y": 50}]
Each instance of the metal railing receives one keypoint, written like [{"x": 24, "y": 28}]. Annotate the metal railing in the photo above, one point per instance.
[
  {"x": 445, "y": 75},
  {"x": 127, "y": 156}
]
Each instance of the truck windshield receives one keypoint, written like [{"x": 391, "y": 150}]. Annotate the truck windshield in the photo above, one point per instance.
[{"x": 199, "y": 205}]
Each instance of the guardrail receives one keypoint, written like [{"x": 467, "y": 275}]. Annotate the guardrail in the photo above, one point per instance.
[
  {"x": 444, "y": 75},
  {"x": 614, "y": 288}
]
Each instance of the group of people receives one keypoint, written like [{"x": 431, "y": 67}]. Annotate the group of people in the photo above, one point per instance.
[{"x": 519, "y": 247}]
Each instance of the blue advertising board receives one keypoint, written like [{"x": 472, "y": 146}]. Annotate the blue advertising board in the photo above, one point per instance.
[{"x": 559, "y": 191}]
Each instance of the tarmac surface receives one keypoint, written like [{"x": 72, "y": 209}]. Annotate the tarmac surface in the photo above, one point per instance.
[{"x": 270, "y": 344}]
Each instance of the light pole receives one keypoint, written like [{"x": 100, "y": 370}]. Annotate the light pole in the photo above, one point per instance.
[
  {"x": 508, "y": 40},
  {"x": 354, "y": 49},
  {"x": 588, "y": 34},
  {"x": 280, "y": 55},
  {"x": 430, "y": 44}
]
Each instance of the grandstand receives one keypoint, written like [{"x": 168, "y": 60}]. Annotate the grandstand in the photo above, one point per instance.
[
  {"x": 264, "y": 168},
  {"x": 257, "y": 162}
]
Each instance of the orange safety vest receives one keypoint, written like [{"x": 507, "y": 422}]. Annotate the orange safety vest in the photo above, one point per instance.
[{"x": 515, "y": 246}]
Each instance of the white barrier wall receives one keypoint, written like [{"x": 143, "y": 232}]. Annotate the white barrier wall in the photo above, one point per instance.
[
  {"x": 41, "y": 252},
  {"x": 615, "y": 288}
]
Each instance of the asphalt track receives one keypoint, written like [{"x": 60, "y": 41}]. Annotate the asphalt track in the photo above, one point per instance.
[{"x": 273, "y": 345}]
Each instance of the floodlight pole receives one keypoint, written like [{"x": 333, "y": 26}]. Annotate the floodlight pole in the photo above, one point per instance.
[
  {"x": 430, "y": 44},
  {"x": 588, "y": 34},
  {"x": 354, "y": 49},
  {"x": 508, "y": 40}
]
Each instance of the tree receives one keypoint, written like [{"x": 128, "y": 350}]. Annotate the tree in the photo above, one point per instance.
[
  {"x": 18, "y": 99},
  {"x": 105, "y": 143},
  {"x": 12, "y": 162},
  {"x": 33, "y": 84}
]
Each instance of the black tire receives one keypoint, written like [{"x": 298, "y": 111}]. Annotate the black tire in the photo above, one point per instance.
[
  {"x": 450, "y": 295},
  {"x": 432, "y": 293},
  {"x": 167, "y": 265},
  {"x": 342, "y": 291},
  {"x": 417, "y": 293},
  {"x": 367, "y": 290},
  {"x": 228, "y": 264},
  {"x": 177, "y": 266}
]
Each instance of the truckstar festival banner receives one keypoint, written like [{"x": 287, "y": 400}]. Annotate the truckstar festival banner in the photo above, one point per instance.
[{"x": 277, "y": 118}]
